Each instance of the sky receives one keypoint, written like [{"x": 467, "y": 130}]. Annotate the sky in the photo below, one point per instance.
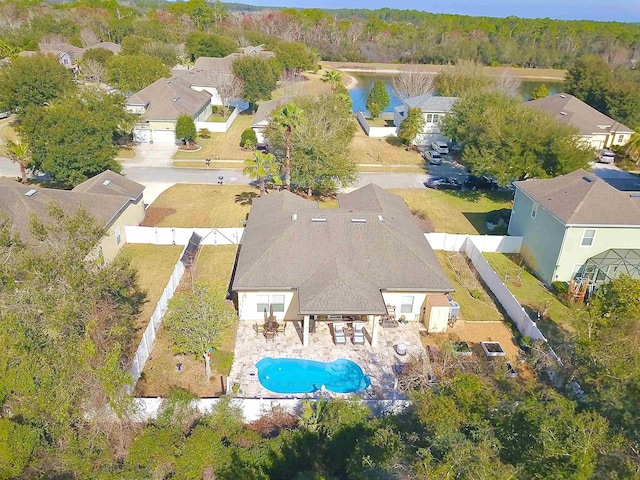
[{"x": 605, "y": 10}]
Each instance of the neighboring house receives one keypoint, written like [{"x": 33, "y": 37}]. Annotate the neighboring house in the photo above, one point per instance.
[
  {"x": 258, "y": 50},
  {"x": 75, "y": 53},
  {"x": 161, "y": 103},
  {"x": 262, "y": 117},
  {"x": 368, "y": 258},
  {"x": 569, "y": 223},
  {"x": 111, "y": 199},
  {"x": 65, "y": 59},
  {"x": 111, "y": 46},
  {"x": 200, "y": 80},
  {"x": 224, "y": 64},
  {"x": 433, "y": 109},
  {"x": 594, "y": 127}
]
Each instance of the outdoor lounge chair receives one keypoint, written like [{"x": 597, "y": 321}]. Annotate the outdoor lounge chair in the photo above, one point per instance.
[
  {"x": 282, "y": 328},
  {"x": 338, "y": 334},
  {"x": 358, "y": 333}
]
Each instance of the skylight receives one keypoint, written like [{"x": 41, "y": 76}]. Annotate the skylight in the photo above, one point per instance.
[
  {"x": 31, "y": 193},
  {"x": 318, "y": 219},
  {"x": 106, "y": 183}
]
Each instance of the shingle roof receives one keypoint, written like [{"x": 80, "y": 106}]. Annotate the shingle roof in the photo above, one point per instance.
[
  {"x": 215, "y": 64},
  {"x": 168, "y": 98},
  {"x": 198, "y": 77},
  {"x": 431, "y": 103},
  {"x": 581, "y": 198},
  {"x": 265, "y": 109},
  {"x": 338, "y": 259},
  {"x": 110, "y": 183},
  {"x": 111, "y": 46},
  {"x": 569, "y": 110},
  {"x": 19, "y": 207},
  {"x": 75, "y": 52}
]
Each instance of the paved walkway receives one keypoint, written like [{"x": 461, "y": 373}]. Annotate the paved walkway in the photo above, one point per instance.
[{"x": 376, "y": 362}]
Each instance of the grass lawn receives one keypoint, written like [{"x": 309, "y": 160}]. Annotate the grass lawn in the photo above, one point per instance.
[
  {"x": 382, "y": 151},
  {"x": 225, "y": 146},
  {"x": 214, "y": 264},
  {"x": 154, "y": 264},
  {"x": 462, "y": 212},
  {"x": 216, "y": 117},
  {"x": 478, "y": 308},
  {"x": 380, "y": 122},
  {"x": 7, "y": 134},
  {"x": 535, "y": 297},
  {"x": 314, "y": 85},
  {"x": 229, "y": 164},
  {"x": 186, "y": 205},
  {"x": 125, "y": 152}
]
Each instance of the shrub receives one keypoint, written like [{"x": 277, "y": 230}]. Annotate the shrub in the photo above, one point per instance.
[
  {"x": 560, "y": 288},
  {"x": 248, "y": 139},
  {"x": 476, "y": 293},
  {"x": 222, "y": 361},
  {"x": 204, "y": 133}
]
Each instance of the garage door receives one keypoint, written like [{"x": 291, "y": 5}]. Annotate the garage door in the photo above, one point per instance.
[
  {"x": 163, "y": 136},
  {"x": 141, "y": 135}
]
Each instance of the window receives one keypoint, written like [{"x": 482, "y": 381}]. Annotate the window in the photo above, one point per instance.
[
  {"x": 588, "y": 237},
  {"x": 263, "y": 303},
  {"x": 407, "y": 305},
  {"x": 620, "y": 138},
  {"x": 278, "y": 303},
  {"x": 534, "y": 210},
  {"x": 118, "y": 235},
  {"x": 436, "y": 118},
  {"x": 429, "y": 118}
]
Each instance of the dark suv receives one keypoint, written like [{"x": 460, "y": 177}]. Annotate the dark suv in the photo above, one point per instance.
[{"x": 481, "y": 182}]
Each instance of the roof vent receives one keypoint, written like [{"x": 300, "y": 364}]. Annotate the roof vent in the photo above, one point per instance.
[
  {"x": 31, "y": 193},
  {"x": 106, "y": 183},
  {"x": 318, "y": 219},
  {"x": 380, "y": 218},
  {"x": 176, "y": 99},
  {"x": 588, "y": 178},
  {"x": 562, "y": 95},
  {"x": 358, "y": 220},
  {"x": 294, "y": 217},
  {"x": 563, "y": 113}
]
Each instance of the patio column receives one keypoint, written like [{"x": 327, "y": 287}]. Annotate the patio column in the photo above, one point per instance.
[
  {"x": 305, "y": 331},
  {"x": 374, "y": 332}
]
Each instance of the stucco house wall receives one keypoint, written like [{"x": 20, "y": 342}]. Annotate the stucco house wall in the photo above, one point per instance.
[
  {"x": 396, "y": 299},
  {"x": 114, "y": 238},
  {"x": 542, "y": 235},
  {"x": 248, "y": 305}
]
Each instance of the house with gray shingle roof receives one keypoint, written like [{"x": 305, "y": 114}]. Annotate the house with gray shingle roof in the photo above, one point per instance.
[
  {"x": 594, "y": 127},
  {"x": 567, "y": 220},
  {"x": 161, "y": 103},
  {"x": 362, "y": 260},
  {"x": 111, "y": 199},
  {"x": 433, "y": 108}
]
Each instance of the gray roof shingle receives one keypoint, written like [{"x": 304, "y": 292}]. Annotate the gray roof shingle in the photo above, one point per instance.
[
  {"x": 569, "y": 110},
  {"x": 338, "y": 259},
  {"x": 431, "y": 103},
  {"x": 581, "y": 198}
]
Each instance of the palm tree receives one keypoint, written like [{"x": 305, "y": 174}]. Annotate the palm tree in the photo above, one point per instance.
[
  {"x": 288, "y": 118},
  {"x": 20, "y": 154},
  {"x": 333, "y": 77},
  {"x": 260, "y": 167},
  {"x": 632, "y": 147}
]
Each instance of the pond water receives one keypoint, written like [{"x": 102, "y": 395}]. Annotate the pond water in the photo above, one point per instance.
[
  {"x": 365, "y": 83},
  {"x": 292, "y": 375}
]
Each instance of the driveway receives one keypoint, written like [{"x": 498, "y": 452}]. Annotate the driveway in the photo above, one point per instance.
[
  {"x": 616, "y": 177},
  {"x": 159, "y": 155}
]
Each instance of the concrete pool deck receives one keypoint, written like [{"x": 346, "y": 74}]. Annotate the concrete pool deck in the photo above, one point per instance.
[{"x": 378, "y": 363}]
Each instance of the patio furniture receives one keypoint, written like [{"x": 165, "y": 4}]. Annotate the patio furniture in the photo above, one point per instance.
[
  {"x": 358, "y": 334},
  {"x": 282, "y": 328},
  {"x": 401, "y": 349},
  {"x": 270, "y": 335},
  {"x": 338, "y": 334}
]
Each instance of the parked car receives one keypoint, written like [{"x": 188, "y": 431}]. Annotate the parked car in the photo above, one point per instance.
[
  {"x": 5, "y": 114},
  {"x": 606, "y": 156},
  {"x": 481, "y": 182},
  {"x": 440, "y": 147},
  {"x": 434, "y": 158},
  {"x": 443, "y": 183}
]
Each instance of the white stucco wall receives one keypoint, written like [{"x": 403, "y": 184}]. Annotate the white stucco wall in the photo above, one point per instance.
[
  {"x": 395, "y": 299},
  {"x": 248, "y": 306},
  {"x": 215, "y": 96}
]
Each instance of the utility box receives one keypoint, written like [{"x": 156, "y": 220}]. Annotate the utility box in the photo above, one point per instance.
[{"x": 436, "y": 313}]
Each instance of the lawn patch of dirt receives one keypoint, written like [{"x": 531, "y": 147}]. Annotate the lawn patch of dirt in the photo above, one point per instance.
[{"x": 155, "y": 215}]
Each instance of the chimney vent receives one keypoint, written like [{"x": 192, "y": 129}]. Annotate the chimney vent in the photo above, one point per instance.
[{"x": 294, "y": 217}]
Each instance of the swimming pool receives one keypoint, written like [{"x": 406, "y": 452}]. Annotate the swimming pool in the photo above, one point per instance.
[{"x": 293, "y": 375}]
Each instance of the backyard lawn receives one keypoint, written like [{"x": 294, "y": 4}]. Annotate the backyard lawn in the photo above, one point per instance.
[
  {"x": 154, "y": 264},
  {"x": 476, "y": 304},
  {"x": 185, "y": 205},
  {"x": 214, "y": 264},
  {"x": 225, "y": 146},
  {"x": 534, "y": 297},
  {"x": 462, "y": 212}
]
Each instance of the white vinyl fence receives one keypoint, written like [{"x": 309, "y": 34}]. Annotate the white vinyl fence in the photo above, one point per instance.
[
  {"x": 254, "y": 408},
  {"x": 523, "y": 322},
  {"x": 146, "y": 344},
  {"x": 452, "y": 242},
  {"x": 219, "y": 126},
  {"x": 181, "y": 236},
  {"x": 375, "y": 132}
]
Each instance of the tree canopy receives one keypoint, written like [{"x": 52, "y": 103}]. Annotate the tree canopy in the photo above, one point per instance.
[
  {"x": 204, "y": 45},
  {"x": 378, "y": 99},
  {"x": 131, "y": 73},
  {"x": 34, "y": 80},
  {"x": 186, "y": 129},
  {"x": 259, "y": 76},
  {"x": 296, "y": 56},
  {"x": 72, "y": 139},
  {"x": 412, "y": 125},
  {"x": 502, "y": 137}
]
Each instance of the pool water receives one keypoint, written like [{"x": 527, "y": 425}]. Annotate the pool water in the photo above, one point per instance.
[{"x": 292, "y": 375}]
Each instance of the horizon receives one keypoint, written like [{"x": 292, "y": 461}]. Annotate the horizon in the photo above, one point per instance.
[{"x": 624, "y": 11}]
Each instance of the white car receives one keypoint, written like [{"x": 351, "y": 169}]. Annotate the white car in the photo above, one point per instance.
[
  {"x": 434, "y": 157},
  {"x": 606, "y": 156},
  {"x": 4, "y": 114}
]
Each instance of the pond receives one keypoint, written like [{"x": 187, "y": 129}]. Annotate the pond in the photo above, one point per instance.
[{"x": 360, "y": 92}]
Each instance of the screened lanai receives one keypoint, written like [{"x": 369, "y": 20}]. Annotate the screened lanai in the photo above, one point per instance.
[{"x": 610, "y": 264}]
